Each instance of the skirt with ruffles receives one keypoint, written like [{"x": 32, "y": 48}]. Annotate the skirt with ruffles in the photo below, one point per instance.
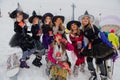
[{"x": 100, "y": 50}]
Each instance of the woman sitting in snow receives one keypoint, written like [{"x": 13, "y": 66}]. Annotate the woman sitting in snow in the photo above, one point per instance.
[
  {"x": 36, "y": 33},
  {"x": 47, "y": 30},
  {"x": 60, "y": 65},
  {"x": 76, "y": 37},
  {"x": 21, "y": 38}
]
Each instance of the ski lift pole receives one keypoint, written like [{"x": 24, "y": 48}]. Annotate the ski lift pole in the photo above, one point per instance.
[{"x": 73, "y": 11}]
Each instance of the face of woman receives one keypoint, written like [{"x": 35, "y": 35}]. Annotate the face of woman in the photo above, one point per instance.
[
  {"x": 35, "y": 20},
  {"x": 74, "y": 26},
  {"x": 48, "y": 20},
  {"x": 85, "y": 20},
  {"x": 19, "y": 17},
  {"x": 58, "y": 21}
]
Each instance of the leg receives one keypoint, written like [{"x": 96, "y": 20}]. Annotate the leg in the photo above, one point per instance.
[
  {"x": 102, "y": 68},
  {"x": 91, "y": 68}
]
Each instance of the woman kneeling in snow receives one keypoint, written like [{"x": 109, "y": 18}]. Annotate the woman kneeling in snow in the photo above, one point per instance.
[{"x": 60, "y": 65}]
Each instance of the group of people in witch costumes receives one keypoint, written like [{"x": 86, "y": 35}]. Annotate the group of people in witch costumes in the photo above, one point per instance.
[{"x": 54, "y": 43}]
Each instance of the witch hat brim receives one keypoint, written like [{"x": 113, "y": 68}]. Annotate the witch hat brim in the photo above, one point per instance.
[
  {"x": 18, "y": 10},
  {"x": 46, "y": 15},
  {"x": 35, "y": 16},
  {"x": 73, "y": 22},
  {"x": 15, "y": 12},
  {"x": 86, "y": 15},
  {"x": 56, "y": 17}
]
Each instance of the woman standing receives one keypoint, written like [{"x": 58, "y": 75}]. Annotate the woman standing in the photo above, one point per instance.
[
  {"x": 97, "y": 47},
  {"x": 76, "y": 37},
  {"x": 21, "y": 38},
  {"x": 58, "y": 25},
  {"x": 36, "y": 34}
]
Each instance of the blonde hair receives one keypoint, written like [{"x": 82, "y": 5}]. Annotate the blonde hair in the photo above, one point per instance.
[{"x": 89, "y": 24}]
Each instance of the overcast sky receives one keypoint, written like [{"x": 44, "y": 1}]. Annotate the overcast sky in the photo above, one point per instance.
[{"x": 106, "y": 7}]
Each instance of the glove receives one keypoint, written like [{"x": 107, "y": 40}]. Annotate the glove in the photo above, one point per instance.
[{"x": 21, "y": 24}]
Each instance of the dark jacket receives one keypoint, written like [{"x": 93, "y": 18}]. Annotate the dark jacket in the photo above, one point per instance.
[
  {"x": 91, "y": 35},
  {"x": 35, "y": 29},
  {"x": 46, "y": 29},
  {"x": 18, "y": 29}
]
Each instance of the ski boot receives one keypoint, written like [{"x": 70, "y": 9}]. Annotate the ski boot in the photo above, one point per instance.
[
  {"x": 93, "y": 75},
  {"x": 36, "y": 62},
  {"x": 75, "y": 71},
  {"x": 23, "y": 64},
  {"x": 82, "y": 67},
  {"x": 103, "y": 77}
]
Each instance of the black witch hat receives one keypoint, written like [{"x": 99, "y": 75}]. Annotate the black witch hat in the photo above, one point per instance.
[
  {"x": 73, "y": 22},
  {"x": 18, "y": 10},
  {"x": 34, "y": 15},
  {"x": 46, "y": 15},
  {"x": 58, "y": 16}
]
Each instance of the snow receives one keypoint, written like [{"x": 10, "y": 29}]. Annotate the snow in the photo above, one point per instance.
[{"x": 34, "y": 73}]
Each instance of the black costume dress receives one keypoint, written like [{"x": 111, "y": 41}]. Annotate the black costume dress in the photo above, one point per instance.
[
  {"x": 99, "y": 49},
  {"x": 21, "y": 38},
  {"x": 35, "y": 30}
]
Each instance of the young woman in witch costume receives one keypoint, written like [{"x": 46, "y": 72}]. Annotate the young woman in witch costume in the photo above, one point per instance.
[
  {"x": 47, "y": 30},
  {"x": 98, "y": 46},
  {"x": 58, "y": 25},
  {"x": 36, "y": 33},
  {"x": 76, "y": 37},
  {"x": 21, "y": 38},
  {"x": 60, "y": 65}
]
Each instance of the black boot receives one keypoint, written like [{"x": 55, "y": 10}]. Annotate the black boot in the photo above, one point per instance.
[
  {"x": 93, "y": 75},
  {"x": 103, "y": 72},
  {"x": 103, "y": 77},
  {"x": 23, "y": 64},
  {"x": 37, "y": 62},
  {"x": 92, "y": 71}
]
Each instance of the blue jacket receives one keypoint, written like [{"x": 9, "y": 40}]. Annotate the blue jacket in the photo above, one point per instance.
[{"x": 105, "y": 40}]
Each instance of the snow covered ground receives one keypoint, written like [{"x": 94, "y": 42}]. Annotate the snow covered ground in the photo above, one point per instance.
[{"x": 34, "y": 73}]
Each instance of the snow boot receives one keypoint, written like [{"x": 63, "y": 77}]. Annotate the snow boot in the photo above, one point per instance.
[
  {"x": 93, "y": 75},
  {"x": 82, "y": 66},
  {"x": 23, "y": 64},
  {"x": 36, "y": 62},
  {"x": 75, "y": 71},
  {"x": 103, "y": 77},
  {"x": 102, "y": 69}
]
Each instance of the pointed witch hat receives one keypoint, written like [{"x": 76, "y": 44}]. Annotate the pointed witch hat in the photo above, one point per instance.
[
  {"x": 88, "y": 15},
  {"x": 18, "y": 10},
  {"x": 34, "y": 15}
]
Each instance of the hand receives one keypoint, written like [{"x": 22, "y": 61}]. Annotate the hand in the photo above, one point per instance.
[
  {"x": 21, "y": 24},
  {"x": 60, "y": 64},
  {"x": 114, "y": 47},
  {"x": 50, "y": 33},
  {"x": 81, "y": 50},
  {"x": 63, "y": 40},
  {"x": 72, "y": 35},
  {"x": 39, "y": 33}
]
